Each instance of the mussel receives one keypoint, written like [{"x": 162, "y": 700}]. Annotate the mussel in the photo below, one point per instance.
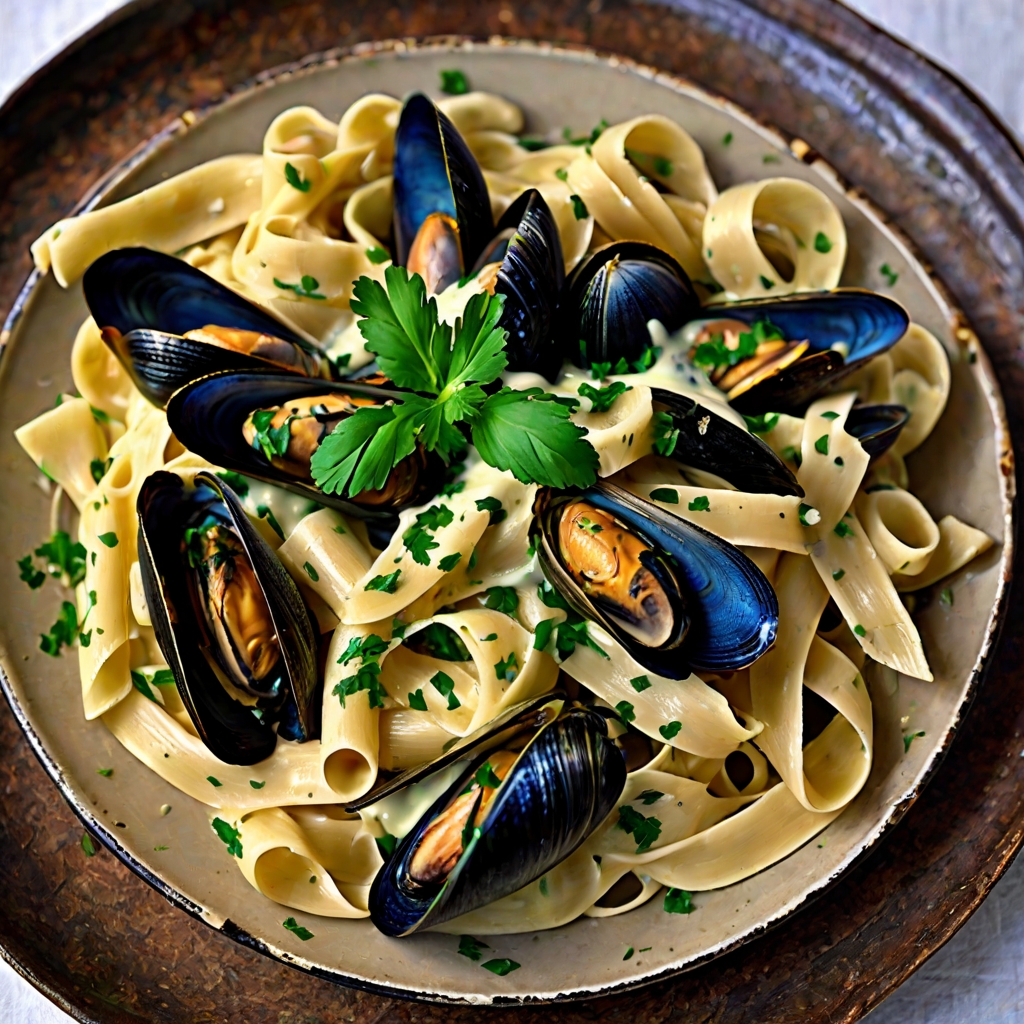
[
  {"x": 533, "y": 785},
  {"x": 610, "y": 297},
  {"x": 267, "y": 425},
  {"x": 876, "y": 426},
  {"x": 229, "y": 620},
  {"x": 442, "y": 218},
  {"x": 169, "y": 324},
  {"x": 707, "y": 441},
  {"x": 675, "y": 596},
  {"x": 530, "y": 275},
  {"x": 779, "y": 355}
]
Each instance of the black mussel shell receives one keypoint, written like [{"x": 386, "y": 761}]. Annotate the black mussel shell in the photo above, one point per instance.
[
  {"x": 562, "y": 786},
  {"x": 207, "y": 417},
  {"x": 236, "y": 732},
  {"x": 844, "y": 328},
  {"x": 611, "y": 296},
  {"x": 876, "y": 426},
  {"x": 435, "y": 174},
  {"x": 530, "y": 277},
  {"x": 144, "y": 301},
  {"x": 732, "y": 610},
  {"x": 710, "y": 442}
]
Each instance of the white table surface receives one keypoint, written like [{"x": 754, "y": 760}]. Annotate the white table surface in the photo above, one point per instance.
[{"x": 977, "y": 976}]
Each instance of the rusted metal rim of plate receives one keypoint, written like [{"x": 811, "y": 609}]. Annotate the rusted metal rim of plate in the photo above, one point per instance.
[{"x": 804, "y": 969}]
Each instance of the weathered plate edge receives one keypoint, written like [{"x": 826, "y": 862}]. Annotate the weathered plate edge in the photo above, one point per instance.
[{"x": 958, "y": 323}]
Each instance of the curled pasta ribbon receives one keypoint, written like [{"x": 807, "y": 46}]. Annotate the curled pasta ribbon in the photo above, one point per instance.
[
  {"x": 958, "y": 544},
  {"x": 623, "y": 433},
  {"x": 98, "y": 374},
  {"x": 829, "y": 771},
  {"x": 482, "y": 111},
  {"x": 791, "y": 216},
  {"x": 920, "y": 382},
  {"x": 196, "y": 204},
  {"x": 614, "y": 182},
  {"x": 899, "y": 528},
  {"x": 324, "y": 868}
]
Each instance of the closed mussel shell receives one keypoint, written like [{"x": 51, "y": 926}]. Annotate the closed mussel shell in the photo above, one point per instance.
[
  {"x": 144, "y": 302},
  {"x": 876, "y": 426},
  {"x": 710, "y": 442},
  {"x": 209, "y": 417},
  {"x": 721, "y": 611},
  {"x": 235, "y": 720},
  {"x": 561, "y": 776},
  {"x": 611, "y": 296}
]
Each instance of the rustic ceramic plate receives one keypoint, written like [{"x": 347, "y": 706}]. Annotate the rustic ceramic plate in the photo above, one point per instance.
[{"x": 957, "y": 471}]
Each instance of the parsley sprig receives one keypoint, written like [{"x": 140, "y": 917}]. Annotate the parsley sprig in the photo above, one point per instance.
[{"x": 444, "y": 370}]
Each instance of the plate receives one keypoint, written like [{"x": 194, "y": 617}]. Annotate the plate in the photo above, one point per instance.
[{"x": 972, "y": 444}]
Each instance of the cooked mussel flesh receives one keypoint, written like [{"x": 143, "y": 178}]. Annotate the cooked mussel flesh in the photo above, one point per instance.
[
  {"x": 613, "y": 294},
  {"x": 230, "y": 622},
  {"x": 442, "y": 218},
  {"x": 169, "y": 324},
  {"x": 533, "y": 786},
  {"x": 268, "y": 426},
  {"x": 700, "y": 438},
  {"x": 779, "y": 355},
  {"x": 675, "y": 596}
]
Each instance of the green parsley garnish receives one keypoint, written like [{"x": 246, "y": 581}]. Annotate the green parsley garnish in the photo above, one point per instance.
[
  {"x": 821, "y": 445},
  {"x": 501, "y": 967},
  {"x": 629, "y": 953},
  {"x": 486, "y": 776},
  {"x": 366, "y": 678},
  {"x": 105, "y": 772},
  {"x": 645, "y": 831},
  {"x": 229, "y": 835},
  {"x": 492, "y": 505},
  {"x": 543, "y": 886},
  {"x": 542, "y": 635},
  {"x": 727, "y": 138},
  {"x": 257, "y": 785},
  {"x": 417, "y": 701},
  {"x": 449, "y": 562},
  {"x": 946, "y": 597},
  {"x": 860, "y": 630},
  {"x": 715, "y": 353},
  {"x": 263, "y": 511},
  {"x": 679, "y": 901},
  {"x": 98, "y": 468},
  {"x": 216, "y": 783},
  {"x": 378, "y": 255},
  {"x": 502, "y": 599},
  {"x": 454, "y": 83},
  {"x": 368, "y": 648},
  {"x": 666, "y": 494},
  {"x": 311, "y": 572},
  {"x": 792, "y": 454},
  {"x": 808, "y": 514},
  {"x": 62, "y": 632},
  {"x": 602, "y": 399},
  {"x": 444, "y": 372},
  {"x": 762, "y": 424},
  {"x": 838, "y": 574},
  {"x": 445, "y": 685},
  {"x": 470, "y": 947},
  {"x": 822, "y": 243},
  {"x": 386, "y": 584},
  {"x": 386, "y": 844},
  {"x": 29, "y": 574},
  {"x": 87, "y": 845},
  {"x": 909, "y": 738},
  {"x": 235, "y": 481},
  {"x": 306, "y": 288},
  {"x": 294, "y": 178},
  {"x": 651, "y": 796},
  {"x": 767, "y": 283},
  {"x": 670, "y": 730},
  {"x": 889, "y": 274},
  {"x": 700, "y": 504},
  {"x": 293, "y": 926},
  {"x": 640, "y": 683},
  {"x": 561, "y": 173},
  {"x": 418, "y": 539},
  {"x": 507, "y": 669},
  {"x": 625, "y": 712},
  {"x": 579, "y": 208},
  {"x": 841, "y": 529}
]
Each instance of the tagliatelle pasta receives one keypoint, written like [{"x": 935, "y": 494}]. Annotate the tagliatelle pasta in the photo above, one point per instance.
[{"x": 692, "y": 576}]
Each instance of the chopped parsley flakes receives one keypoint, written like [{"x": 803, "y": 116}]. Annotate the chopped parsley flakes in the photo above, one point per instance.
[{"x": 645, "y": 831}]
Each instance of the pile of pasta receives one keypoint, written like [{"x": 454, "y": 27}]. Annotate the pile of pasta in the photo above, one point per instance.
[{"x": 741, "y": 789}]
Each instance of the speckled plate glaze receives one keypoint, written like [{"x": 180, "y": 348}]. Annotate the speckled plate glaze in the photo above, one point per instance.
[{"x": 957, "y": 471}]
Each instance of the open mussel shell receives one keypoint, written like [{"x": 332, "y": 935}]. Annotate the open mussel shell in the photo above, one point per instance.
[
  {"x": 209, "y": 417},
  {"x": 561, "y": 776},
  {"x": 442, "y": 218},
  {"x": 844, "y": 329},
  {"x": 710, "y": 442},
  {"x": 611, "y": 296},
  {"x": 229, "y": 620},
  {"x": 530, "y": 276},
  {"x": 704, "y": 600},
  {"x": 876, "y": 426},
  {"x": 144, "y": 302}
]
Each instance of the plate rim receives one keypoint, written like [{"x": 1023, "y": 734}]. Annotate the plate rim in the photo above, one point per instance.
[{"x": 992, "y": 394}]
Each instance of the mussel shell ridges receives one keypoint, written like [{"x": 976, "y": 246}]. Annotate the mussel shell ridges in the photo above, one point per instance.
[
  {"x": 561, "y": 787},
  {"x": 129, "y": 289},
  {"x": 207, "y": 417},
  {"x": 530, "y": 277},
  {"x": 864, "y": 323},
  {"x": 723, "y": 448},
  {"x": 733, "y": 609},
  {"x": 228, "y": 727},
  {"x": 611, "y": 296},
  {"x": 434, "y": 172}
]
